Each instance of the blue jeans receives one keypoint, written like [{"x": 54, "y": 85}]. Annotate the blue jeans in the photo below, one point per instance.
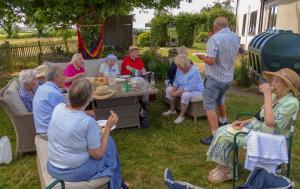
[{"x": 214, "y": 93}]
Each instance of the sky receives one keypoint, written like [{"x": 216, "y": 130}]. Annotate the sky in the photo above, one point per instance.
[{"x": 144, "y": 16}]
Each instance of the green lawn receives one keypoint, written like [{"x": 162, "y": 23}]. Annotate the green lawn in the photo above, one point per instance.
[{"x": 145, "y": 153}]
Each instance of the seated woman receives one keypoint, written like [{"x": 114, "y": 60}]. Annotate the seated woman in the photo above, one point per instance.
[
  {"x": 173, "y": 68},
  {"x": 28, "y": 88},
  {"x": 280, "y": 103},
  {"x": 74, "y": 70},
  {"x": 110, "y": 67},
  {"x": 76, "y": 150},
  {"x": 188, "y": 83}
]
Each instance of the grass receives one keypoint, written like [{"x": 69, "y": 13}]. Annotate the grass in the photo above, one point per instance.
[{"x": 145, "y": 153}]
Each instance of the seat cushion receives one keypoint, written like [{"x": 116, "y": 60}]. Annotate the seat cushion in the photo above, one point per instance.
[
  {"x": 63, "y": 65},
  {"x": 92, "y": 67},
  {"x": 197, "y": 98},
  {"x": 11, "y": 95},
  {"x": 42, "y": 155}
]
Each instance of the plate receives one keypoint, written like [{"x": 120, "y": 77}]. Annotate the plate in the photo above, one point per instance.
[
  {"x": 124, "y": 76},
  {"x": 195, "y": 54},
  {"x": 102, "y": 124},
  {"x": 120, "y": 80},
  {"x": 230, "y": 129}
]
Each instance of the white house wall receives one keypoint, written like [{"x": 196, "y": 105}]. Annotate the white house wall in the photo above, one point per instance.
[
  {"x": 288, "y": 16},
  {"x": 247, "y": 7}
]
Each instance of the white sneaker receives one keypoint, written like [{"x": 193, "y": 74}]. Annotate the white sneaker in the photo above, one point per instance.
[
  {"x": 179, "y": 119},
  {"x": 169, "y": 112}
]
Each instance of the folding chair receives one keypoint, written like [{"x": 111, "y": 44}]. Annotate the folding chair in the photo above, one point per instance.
[{"x": 235, "y": 146}]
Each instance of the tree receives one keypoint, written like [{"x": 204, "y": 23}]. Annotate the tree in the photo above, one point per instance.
[
  {"x": 67, "y": 12},
  {"x": 8, "y": 19},
  {"x": 208, "y": 14}
]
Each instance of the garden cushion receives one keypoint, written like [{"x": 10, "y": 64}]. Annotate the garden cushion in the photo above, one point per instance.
[
  {"x": 46, "y": 179},
  {"x": 11, "y": 95},
  {"x": 91, "y": 67},
  {"x": 197, "y": 98}
]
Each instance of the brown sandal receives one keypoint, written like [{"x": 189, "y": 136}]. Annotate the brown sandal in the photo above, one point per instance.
[{"x": 219, "y": 176}]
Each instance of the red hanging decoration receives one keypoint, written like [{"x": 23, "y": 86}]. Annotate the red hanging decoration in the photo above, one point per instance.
[{"x": 97, "y": 47}]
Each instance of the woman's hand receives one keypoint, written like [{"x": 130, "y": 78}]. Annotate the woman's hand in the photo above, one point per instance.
[
  {"x": 237, "y": 125},
  {"x": 266, "y": 89},
  {"x": 112, "y": 120}
]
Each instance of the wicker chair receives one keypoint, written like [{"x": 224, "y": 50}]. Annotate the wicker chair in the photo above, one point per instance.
[{"x": 22, "y": 122}]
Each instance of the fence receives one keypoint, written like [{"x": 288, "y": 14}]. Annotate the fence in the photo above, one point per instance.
[{"x": 17, "y": 57}]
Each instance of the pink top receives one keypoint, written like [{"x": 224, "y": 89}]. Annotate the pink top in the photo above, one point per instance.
[{"x": 71, "y": 71}]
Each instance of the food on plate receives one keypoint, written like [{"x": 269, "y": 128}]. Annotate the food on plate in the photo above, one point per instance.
[{"x": 102, "y": 80}]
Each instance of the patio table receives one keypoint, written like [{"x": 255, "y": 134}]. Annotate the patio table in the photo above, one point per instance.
[{"x": 124, "y": 104}]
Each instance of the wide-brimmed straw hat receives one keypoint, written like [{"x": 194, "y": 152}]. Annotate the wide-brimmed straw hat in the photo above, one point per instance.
[
  {"x": 289, "y": 77},
  {"x": 133, "y": 47},
  {"x": 41, "y": 70},
  {"x": 109, "y": 93}
]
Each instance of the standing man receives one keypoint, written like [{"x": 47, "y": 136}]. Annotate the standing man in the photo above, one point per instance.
[{"x": 222, "y": 48}]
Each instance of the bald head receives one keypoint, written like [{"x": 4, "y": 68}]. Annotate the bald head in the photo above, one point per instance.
[{"x": 220, "y": 23}]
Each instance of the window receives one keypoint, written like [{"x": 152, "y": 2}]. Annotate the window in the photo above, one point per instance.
[
  {"x": 272, "y": 17},
  {"x": 244, "y": 24},
  {"x": 252, "y": 25}
]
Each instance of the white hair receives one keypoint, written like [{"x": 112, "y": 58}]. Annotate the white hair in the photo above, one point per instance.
[
  {"x": 75, "y": 57},
  {"x": 26, "y": 77},
  {"x": 182, "y": 60}
]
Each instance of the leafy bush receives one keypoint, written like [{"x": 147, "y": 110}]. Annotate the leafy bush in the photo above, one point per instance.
[
  {"x": 155, "y": 63},
  {"x": 159, "y": 29},
  {"x": 185, "y": 27},
  {"x": 144, "y": 39},
  {"x": 202, "y": 37},
  {"x": 241, "y": 72}
]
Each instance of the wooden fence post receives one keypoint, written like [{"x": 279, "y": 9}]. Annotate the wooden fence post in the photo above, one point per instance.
[{"x": 7, "y": 55}]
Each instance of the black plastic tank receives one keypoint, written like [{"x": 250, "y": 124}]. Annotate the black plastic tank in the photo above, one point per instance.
[{"x": 273, "y": 50}]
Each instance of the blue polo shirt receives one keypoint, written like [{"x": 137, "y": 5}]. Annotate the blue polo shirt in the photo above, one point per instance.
[{"x": 45, "y": 99}]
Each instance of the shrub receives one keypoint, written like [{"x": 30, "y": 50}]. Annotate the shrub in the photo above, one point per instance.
[
  {"x": 155, "y": 63},
  {"x": 241, "y": 72},
  {"x": 185, "y": 27},
  {"x": 144, "y": 39},
  {"x": 159, "y": 29},
  {"x": 202, "y": 37}
]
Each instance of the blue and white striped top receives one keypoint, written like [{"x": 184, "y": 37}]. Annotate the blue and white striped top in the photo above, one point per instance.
[{"x": 224, "y": 46}]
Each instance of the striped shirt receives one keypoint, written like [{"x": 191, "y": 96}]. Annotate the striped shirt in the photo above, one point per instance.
[{"x": 223, "y": 46}]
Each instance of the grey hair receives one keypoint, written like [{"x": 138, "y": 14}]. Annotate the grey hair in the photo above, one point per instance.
[
  {"x": 26, "y": 77},
  {"x": 75, "y": 57},
  {"x": 54, "y": 72},
  {"x": 182, "y": 50},
  {"x": 182, "y": 60},
  {"x": 80, "y": 93},
  {"x": 221, "y": 22}
]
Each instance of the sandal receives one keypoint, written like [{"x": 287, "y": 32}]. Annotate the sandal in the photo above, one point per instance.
[
  {"x": 220, "y": 176},
  {"x": 213, "y": 171},
  {"x": 124, "y": 185}
]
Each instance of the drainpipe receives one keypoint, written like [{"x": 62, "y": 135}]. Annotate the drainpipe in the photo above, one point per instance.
[
  {"x": 261, "y": 16},
  {"x": 236, "y": 17}
]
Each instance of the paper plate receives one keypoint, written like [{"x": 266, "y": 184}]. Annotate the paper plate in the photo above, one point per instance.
[
  {"x": 230, "y": 129},
  {"x": 124, "y": 76},
  {"x": 102, "y": 124},
  {"x": 120, "y": 80},
  {"x": 195, "y": 54}
]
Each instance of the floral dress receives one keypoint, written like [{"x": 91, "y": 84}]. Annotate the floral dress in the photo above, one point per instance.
[{"x": 221, "y": 146}]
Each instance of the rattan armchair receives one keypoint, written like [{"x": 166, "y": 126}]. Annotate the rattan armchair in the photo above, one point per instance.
[{"x": 23, "y": 125}]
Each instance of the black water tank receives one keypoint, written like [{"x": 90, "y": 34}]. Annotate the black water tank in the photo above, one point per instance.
[{"x": 273, "y": 50}]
